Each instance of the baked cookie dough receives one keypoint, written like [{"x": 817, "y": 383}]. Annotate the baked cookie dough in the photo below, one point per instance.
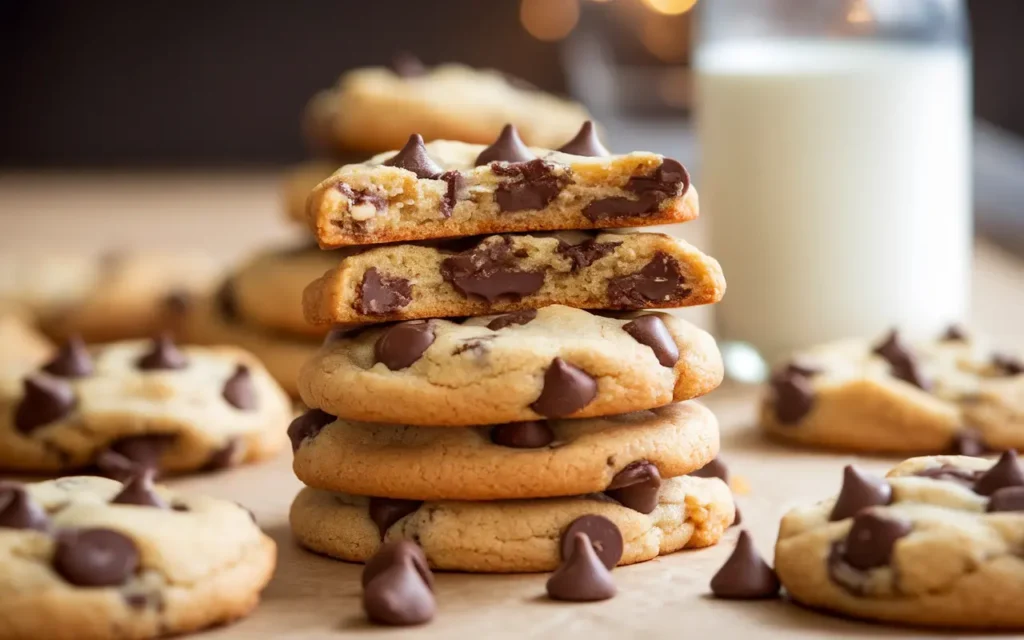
[
  {"x": 136, "y": 404},
  {"x": 936, "y": 543},
  {"x": 514, "y": 272},
  {"x": 511, "y": 461},
  {"x": 952, "y": 394},
  {"x": 509, "y": 536},
  {"x": 450, "y": 189},
  {"x": 85, "y": 558},
  {"x": 22, "y": 348},
  {"x": 557, "y": 362}
]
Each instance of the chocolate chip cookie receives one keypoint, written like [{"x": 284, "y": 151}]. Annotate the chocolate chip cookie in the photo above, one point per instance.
[
  {"x": 512, "y": 273},
  {"x": 556, "y": 362},
  {"x": 951, "y": 394},
  {"x": 89, "y": 558},
  {"x": 145, "y": 404},
  {"x": 935, "y": 543},
  {"x": 511, "y": 536}
]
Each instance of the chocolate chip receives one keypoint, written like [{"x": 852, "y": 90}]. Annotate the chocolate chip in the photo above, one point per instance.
[
  {"x": 387, "y": 511},
  {"x": 522, "y": 435},
  {"x": 604, "y": 536},
  {"x": 955, "y": 333},
  {"x": 95, "y": 557},
  {"x": 745, "y": 575},
  {"x": 139, "y": 491},
  {"x": 380, "y": 294},
  {"x": 358, "y": 197},
  {"x": 413, "y": 157},
  {"x": 509, "y": 319},
  {"x": 47, "y": 399},
  {"x": 650, "y": 330},
  {"x": 489, "y": 271},
  {"x": 164, "y": 354},
  {"x": 584, "y": 254},
  {"x": 659, "y": 281},
  {"x": 951, "y": 473},
  {"x": 1008, "y": 365},
  {"x": 531, "y": 185},
  {"x": 714, "y": 469},
  {"x": 407, "y": 65},
  {"x": 792, "y": 396},
  {"x": 968, "y": 442},
  {"x": 239, "y": 390},
  {"x": 860, "y": 491},
  {"x": 394, "y": 552},
  {"x": 455, "y": 191},
  {"x": 72, "y": 360},
  {"x": 403, "y": 344},
  {"x": 477, "y": 346},
  {"x": 227, "y": 456},
  {"x": 670, "y": 179},
  {"x": 508, "y": 147},
  {"x": 901, "y": 361},
  {"x": 1005, "y": 472},
  {"x": 585, "y": 143},
  {"x": 872, "y": 539},
  {"x": 1006, "y": 499},
  {"x": 636, "y": 487},
  {"x": 226, "y": 302},
  {"x": 19, "y": 511},
  {"x": 398, "y": 596},
  {"x": 131, "y": 455},
  {"x": 308, "y": 425},
  {"x": 567, "y": 389},
  {"x": 582, "y": 576},
  {"x": 619, "y": 206}
]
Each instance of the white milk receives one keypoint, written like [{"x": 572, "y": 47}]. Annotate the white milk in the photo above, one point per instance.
[{"x": 836, "y": 180}]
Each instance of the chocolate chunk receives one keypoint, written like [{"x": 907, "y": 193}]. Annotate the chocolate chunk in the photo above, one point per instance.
[
  {"x": 407, "y": 65},
  {"x": 227, "y": 456},
  {"x": 872, "y": 539},
  {"x": 508, "y": 147},
  {"x": 509, "y": 319},
  {"x": 650, "y": 330},
  {"x": 490, "y": 271},
  {"x": 582, "y": 576},
  {"x": 670, "y": 179},
  {"x": 901, "y": 361},
  {"x": 745, "y": 575},
  {"x": 1006, "y": 499},
  {"x": 586, "y": 253},
  {"x": 714, "y": 469},
  {"x": 968, "y": 442},
  {"x": 139, "y": 491},
  {"x": 239, "y": 390},
  {"x": 955, "y": 333},
  {"x": 531, "y": 185},
  {"x": 1008, "y": 365},
  {"x": 163, "y": 355},
  {"x": 413, "y": 157},
  {"x": 792, "y": 396},
  {"x": 604, "y": 536},
  {"x": 95, "y": 557},
  {"x": 951, "y": 473},
  {"x": 358, "y": 197},
  {"x": 380, "y": 294},
  {"x": 47, "y": 399},
  {"x": 226, "y": 302},
  {"x": 177, "y": 303},
  {"x": 586, "y": 143},
  {"x": 1005, "y": 472},
  {"x": 522, "y": 435},
  {"x": 660, "y": 281},
  {"x": 567, "y": 389},
  {"x": 860, "y": 491},
  {"x": 72, "y": 360},
  {"x": 455, "y": 191},
  {"x": 387, "y": 511},
  {"x": 398, "y": 596},
  {"x": 132, "y": 455},
  {"x": 308, "y": 425},
  {"x": 636, "y": 487},
  {"x": 393, "y": 553},
  {"x": 19, "y": 511},
  {"x": 403, "y": 344},
  {"x": 619, "y": 206}
]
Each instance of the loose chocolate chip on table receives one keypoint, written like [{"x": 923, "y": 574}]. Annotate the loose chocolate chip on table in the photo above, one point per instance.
[
  {"x": 413, "y": 157},
  {"x": 792, "y": 396},
  {"x": 871, "y": 540},
  {"x": 407, "y": 65},
  {"x": 860, "y": 491},
  {"x": 951, "y": 473},
  {"x": 1009, "y": 365},
  {"x": 226, "y": 302},
  {"x": 385, "y": 512},
  {"x": 393, "y": 553},
  {"x": 968, "y": 442},
  {"x": 95, "y": 557},
  {"x": 955, "y": 333},
  {"x": 530, "y": 186},
  {"x": 490, "y": 271},
  {"x": 19, "y": 511},
  {"x": 227, "y": 456},
  {"x": 659, "y": 281},
  {"x": 585, "y": 253},
  {"x": 604, "y": 536},
  {"x": 1005, "y": 472},
  {"x": 509, "y": 147},
  {"x": 72, "y": 360},
  {"x": 128, "y": 456},
  {"x": 650, "y": 330},
  {"x": 308, "y": 425},
  {"x": 582, "y": 576},
  {"x": 745, "y": 575},
  {"x": 399, "y": 596},
  {"x": 509, "y": 319},
  {"x": 239, "y": 390},
  {"x": 522, "y": 435},
  {"x": 636, "y": 487},
  {"x": 567, "y": 389},
  {"x": 380, "y": 294},
  {"x": 902, "y": 362},
  {"x": 138, "y": 490},
  {"x": 403, "y": 344},
  {"x": 586, "y": 143},
  {"x": 455, "y": 191},
  {"x": 164, "y": 354},
  {"x": 1006, "y": 499},
  {"x": 46, "y": 400},
  {"x": 714, "y": 469}
]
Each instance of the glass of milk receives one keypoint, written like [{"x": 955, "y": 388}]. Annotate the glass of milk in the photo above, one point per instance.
[{"x": 835, "y": 167}]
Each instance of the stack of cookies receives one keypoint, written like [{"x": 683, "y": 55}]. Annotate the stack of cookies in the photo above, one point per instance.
[{"x": 491, "y": 396}]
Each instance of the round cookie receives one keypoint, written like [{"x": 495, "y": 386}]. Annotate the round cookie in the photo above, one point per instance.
[
  {"x": 514, "y": 461},
  {"x": 936, "y": 543},
  {"x": 556, "y": 362},
  {"x": 299, "y": 181},
  {"x": 140, "y": 403},
  {"x": 77, "y": 563},
  {"x": 510, "y": 536}
]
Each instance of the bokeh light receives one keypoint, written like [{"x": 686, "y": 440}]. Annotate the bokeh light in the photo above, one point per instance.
[
  {"x": 670, "y": 7},
  {"x": 549, "y": 20}
]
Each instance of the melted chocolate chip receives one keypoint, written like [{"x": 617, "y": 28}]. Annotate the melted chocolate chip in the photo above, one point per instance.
[
  {"x": 522, "y": 435},
  {"x": 604, "y": 536},
  {"x": 745, "y": 575},
  {"x": 227, "y": 456},
  {"x": 489, "y": 272},
  {"x": 72, "y": 360},
  {"x": 360, "y": 197},
  {"x": 387, "y": 511},
  {"x": 455, "y": 191},
  {"x": 1008, "y": 365},
  {"x": 636, "y": 487},
  {"x": 226, "y": 302},
  {"x": 1005, "y": 472},
  {"x": 582, "y": 577},
  {"x": 403, "y": 344},
  {"x": 650, "y": 330},
  {"x": 239, "y": 390},
  {"x": 669, "y": 179},
  {"x": 567, "y": 389},
  {"x": 621, "y": 207},
  {"x": 508, "y": 147},
  {"x": 95, "y": 557},
  {"x": 164, "y": 354},
  {"x": 792, "y": 396},
  {"x": 19, "y": 511},
  {"x": 399, "y": 596},
  {"x": 659, "y": 281},
  {"x": 714, "y": 469},
  {"x": 1006, "y": 499},
  {"x": 585, "y": 143},
  {"x": 902, "y": 362},
  {"x": 308, "y": 425},
  {"x": 395, "y": 552},
  {"x": 139, "y": 491},
  {"x": 407, "y": 65},
  {"x": 872, "y": 539},
  {"x": 951, "y": 473},
  {"x": 860, "y": 491},
  {"x": 530, "y": 186},
  {"x": 380, "y": 294},
  {"x": 413, "y": 157},
  {"x": 586, "y": 253},
  {"x": 132, "y": 455},
  {"x": 477, "y": 346},
  {"x": 955, "y": 333},
  {"x": 46, "y": 400},
  {"x": 509, "y": 319}
]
